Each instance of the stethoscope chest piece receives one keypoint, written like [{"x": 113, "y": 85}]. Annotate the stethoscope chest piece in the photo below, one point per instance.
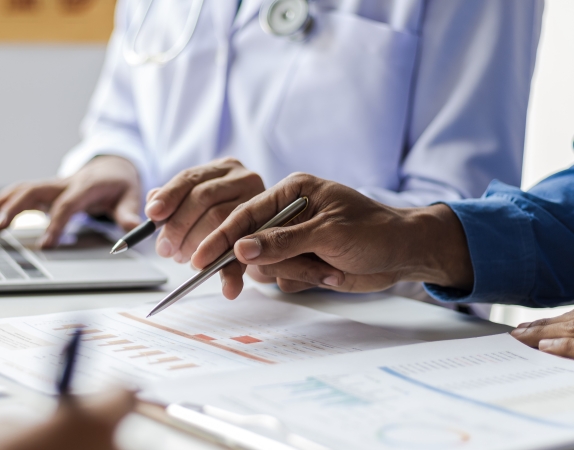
[{"x": 287, "y": 18}]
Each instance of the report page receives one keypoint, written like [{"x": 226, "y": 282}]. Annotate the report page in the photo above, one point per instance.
[
  {"x": 195, "y": 336},
  {"x": 483, "y": 393}
]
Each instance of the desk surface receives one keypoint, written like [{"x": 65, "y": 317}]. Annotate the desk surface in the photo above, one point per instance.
[{"x": 408, "y": 318}]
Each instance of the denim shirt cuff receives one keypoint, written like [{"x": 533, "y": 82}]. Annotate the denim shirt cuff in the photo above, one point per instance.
[{"x": 502, "y": 250}]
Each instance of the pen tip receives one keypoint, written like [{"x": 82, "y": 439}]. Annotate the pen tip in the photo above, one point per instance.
[{"x": 119, "y": 247}]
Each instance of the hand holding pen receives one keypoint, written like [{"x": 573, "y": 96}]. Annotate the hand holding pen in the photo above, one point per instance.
[
  {"x": 86, "y": 423},
  {"x": 193, "y": 204}
]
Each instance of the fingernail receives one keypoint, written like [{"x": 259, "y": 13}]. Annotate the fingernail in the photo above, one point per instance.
[
  {"x": 518, "y": 331},
  {"x": 545, "y": 344},
  {"x": 331, "y": 280},
  {"x": 178, "y": 257},
  {"x": 249, "y": 248},
  {"x": 524, "y": 325},
  {"x": 154, "y": 208},
  {"x": 3, "y": 218},
  {"x": 164, "y": 248}
]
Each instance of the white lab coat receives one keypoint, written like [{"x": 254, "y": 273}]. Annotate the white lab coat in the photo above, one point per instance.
[{"x": 410, "y": 101}]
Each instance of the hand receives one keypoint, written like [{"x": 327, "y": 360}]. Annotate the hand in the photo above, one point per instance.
[
  {"x": 554, "y": 336},
  {"x": 78, "y": 424},
  {"x": 106, "y": 185},
  {"x": 197, "y": 201},
  {"x": 344, "y": 241}
]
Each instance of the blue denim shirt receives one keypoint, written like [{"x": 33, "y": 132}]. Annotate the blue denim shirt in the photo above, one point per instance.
[{"x": 521, "y": 244}]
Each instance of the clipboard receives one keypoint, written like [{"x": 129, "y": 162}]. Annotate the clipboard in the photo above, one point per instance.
[{"x": 225, "y": 428}]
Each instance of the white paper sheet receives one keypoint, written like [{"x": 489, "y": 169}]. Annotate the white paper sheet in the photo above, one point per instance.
[
  {"x": 193, "y": 337},
  {"x": 482, "y": 393}
]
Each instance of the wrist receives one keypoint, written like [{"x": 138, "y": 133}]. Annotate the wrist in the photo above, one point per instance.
[{"x": 439, "y": 253}]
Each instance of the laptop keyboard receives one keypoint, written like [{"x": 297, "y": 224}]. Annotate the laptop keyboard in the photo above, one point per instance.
[{"x": 11, "y": 257}]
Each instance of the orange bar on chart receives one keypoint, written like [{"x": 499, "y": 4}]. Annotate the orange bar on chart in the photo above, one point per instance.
[
  {"x": 103, "y": 336},
  {"x": 167, "y": 359},
  {"x": 204, "y": 337},
  {"x": 150, "y": 353},
  {"x": 194, "y": 337},
  {"x": 92, "y": 331},
  {"x": 183, "y": 366},
  {"x": 133, "y": 347},
  {"x": 246, "y": 339},
  {"x": 70, "y": 326},
  {"x": 120, "y": 342}
]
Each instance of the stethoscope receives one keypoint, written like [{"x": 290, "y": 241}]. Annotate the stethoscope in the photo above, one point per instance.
[{"x": 285, "y": 18}]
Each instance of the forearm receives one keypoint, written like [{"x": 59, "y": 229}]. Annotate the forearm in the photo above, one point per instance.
[
  {"x": 519, "y": 245},
  {"x": 438, "y": 250}
]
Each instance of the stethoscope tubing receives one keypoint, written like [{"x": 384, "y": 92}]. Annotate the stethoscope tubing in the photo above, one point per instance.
[{"x": 135, "y": 58}]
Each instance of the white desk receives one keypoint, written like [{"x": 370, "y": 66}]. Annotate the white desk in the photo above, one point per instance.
[{"x": 406, "y": 317}]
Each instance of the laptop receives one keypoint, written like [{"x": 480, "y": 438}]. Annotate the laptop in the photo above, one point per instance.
[{"x": 81, "y": 261}]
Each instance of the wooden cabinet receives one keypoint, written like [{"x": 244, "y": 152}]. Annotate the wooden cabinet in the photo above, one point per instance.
[{"x": 56, "y": 20}]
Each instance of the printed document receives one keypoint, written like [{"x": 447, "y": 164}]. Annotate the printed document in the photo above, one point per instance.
[
  {"x": 483, "y": 393},
  {"x": 193, "y": 337}
]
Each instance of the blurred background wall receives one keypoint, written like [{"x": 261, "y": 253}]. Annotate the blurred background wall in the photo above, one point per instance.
[
  {"x": 51, "y": 52},
  {"x": 47, "y": 74}
]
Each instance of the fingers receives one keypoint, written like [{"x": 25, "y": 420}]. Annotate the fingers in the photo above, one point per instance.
[
  {"x": 560, "y": 347},
  {"x": 63, "y": 208},
  {"x": 203, "y": 200},
  {"x": 303, "y": 269},
  {"x": 278, "y": 244},
  {"x": 27, "y": 196},
  {"x": 151, "y": 194},
  {"x": 126, "y": 211},
  {"x": 292, "y": 287},
  {"x": 249, "y": 216},
  {"x": 167, "y": 199},
  {"x": 255, "y": 274},
  {"x": 544, "y": 329},
  {"x": 232, "y": 279},
  {"x": 205, "y": 225},
  {"x": 543, "y": 322}
]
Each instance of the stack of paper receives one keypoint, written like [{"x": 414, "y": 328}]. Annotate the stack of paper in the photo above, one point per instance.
[
  {"x": 193, "y": 337},
  {"x": 483, "y": 393}
]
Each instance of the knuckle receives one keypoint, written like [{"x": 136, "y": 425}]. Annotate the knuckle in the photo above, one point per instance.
[
  {"x": 312, "y": 275},
  {"x": 217, "y": 215},
  {"x": 569, "y": 327},
  {"x": 280, "y": 239},
  {"x": 191, "y": 177},
  {"x": 268, "y": 270},
  {"x": 254, "y": 181},
  {"x": 202, "y": 195},
  {"x": 566, "y": 346},
  {"x": 286, "y": 286},
  {"x": 539, "y": 323},
  {"x": 176, "y": 228},
  {"x": 230, "y": 161}
]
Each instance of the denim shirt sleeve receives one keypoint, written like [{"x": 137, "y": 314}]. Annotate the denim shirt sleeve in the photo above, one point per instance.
[{"x": 521, "y": 244}]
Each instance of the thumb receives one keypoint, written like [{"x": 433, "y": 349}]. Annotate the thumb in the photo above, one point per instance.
[
  {"x": 276, "y": 244},
  {"x": 126, "y": 211}
]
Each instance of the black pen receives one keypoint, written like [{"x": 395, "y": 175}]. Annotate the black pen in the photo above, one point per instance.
[
  {"x": 70, "y": 352},
  {"x": 137, "y": 235}
]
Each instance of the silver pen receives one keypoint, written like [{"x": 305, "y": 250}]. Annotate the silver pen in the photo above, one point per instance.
[{"x": 282, "y": 218}]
